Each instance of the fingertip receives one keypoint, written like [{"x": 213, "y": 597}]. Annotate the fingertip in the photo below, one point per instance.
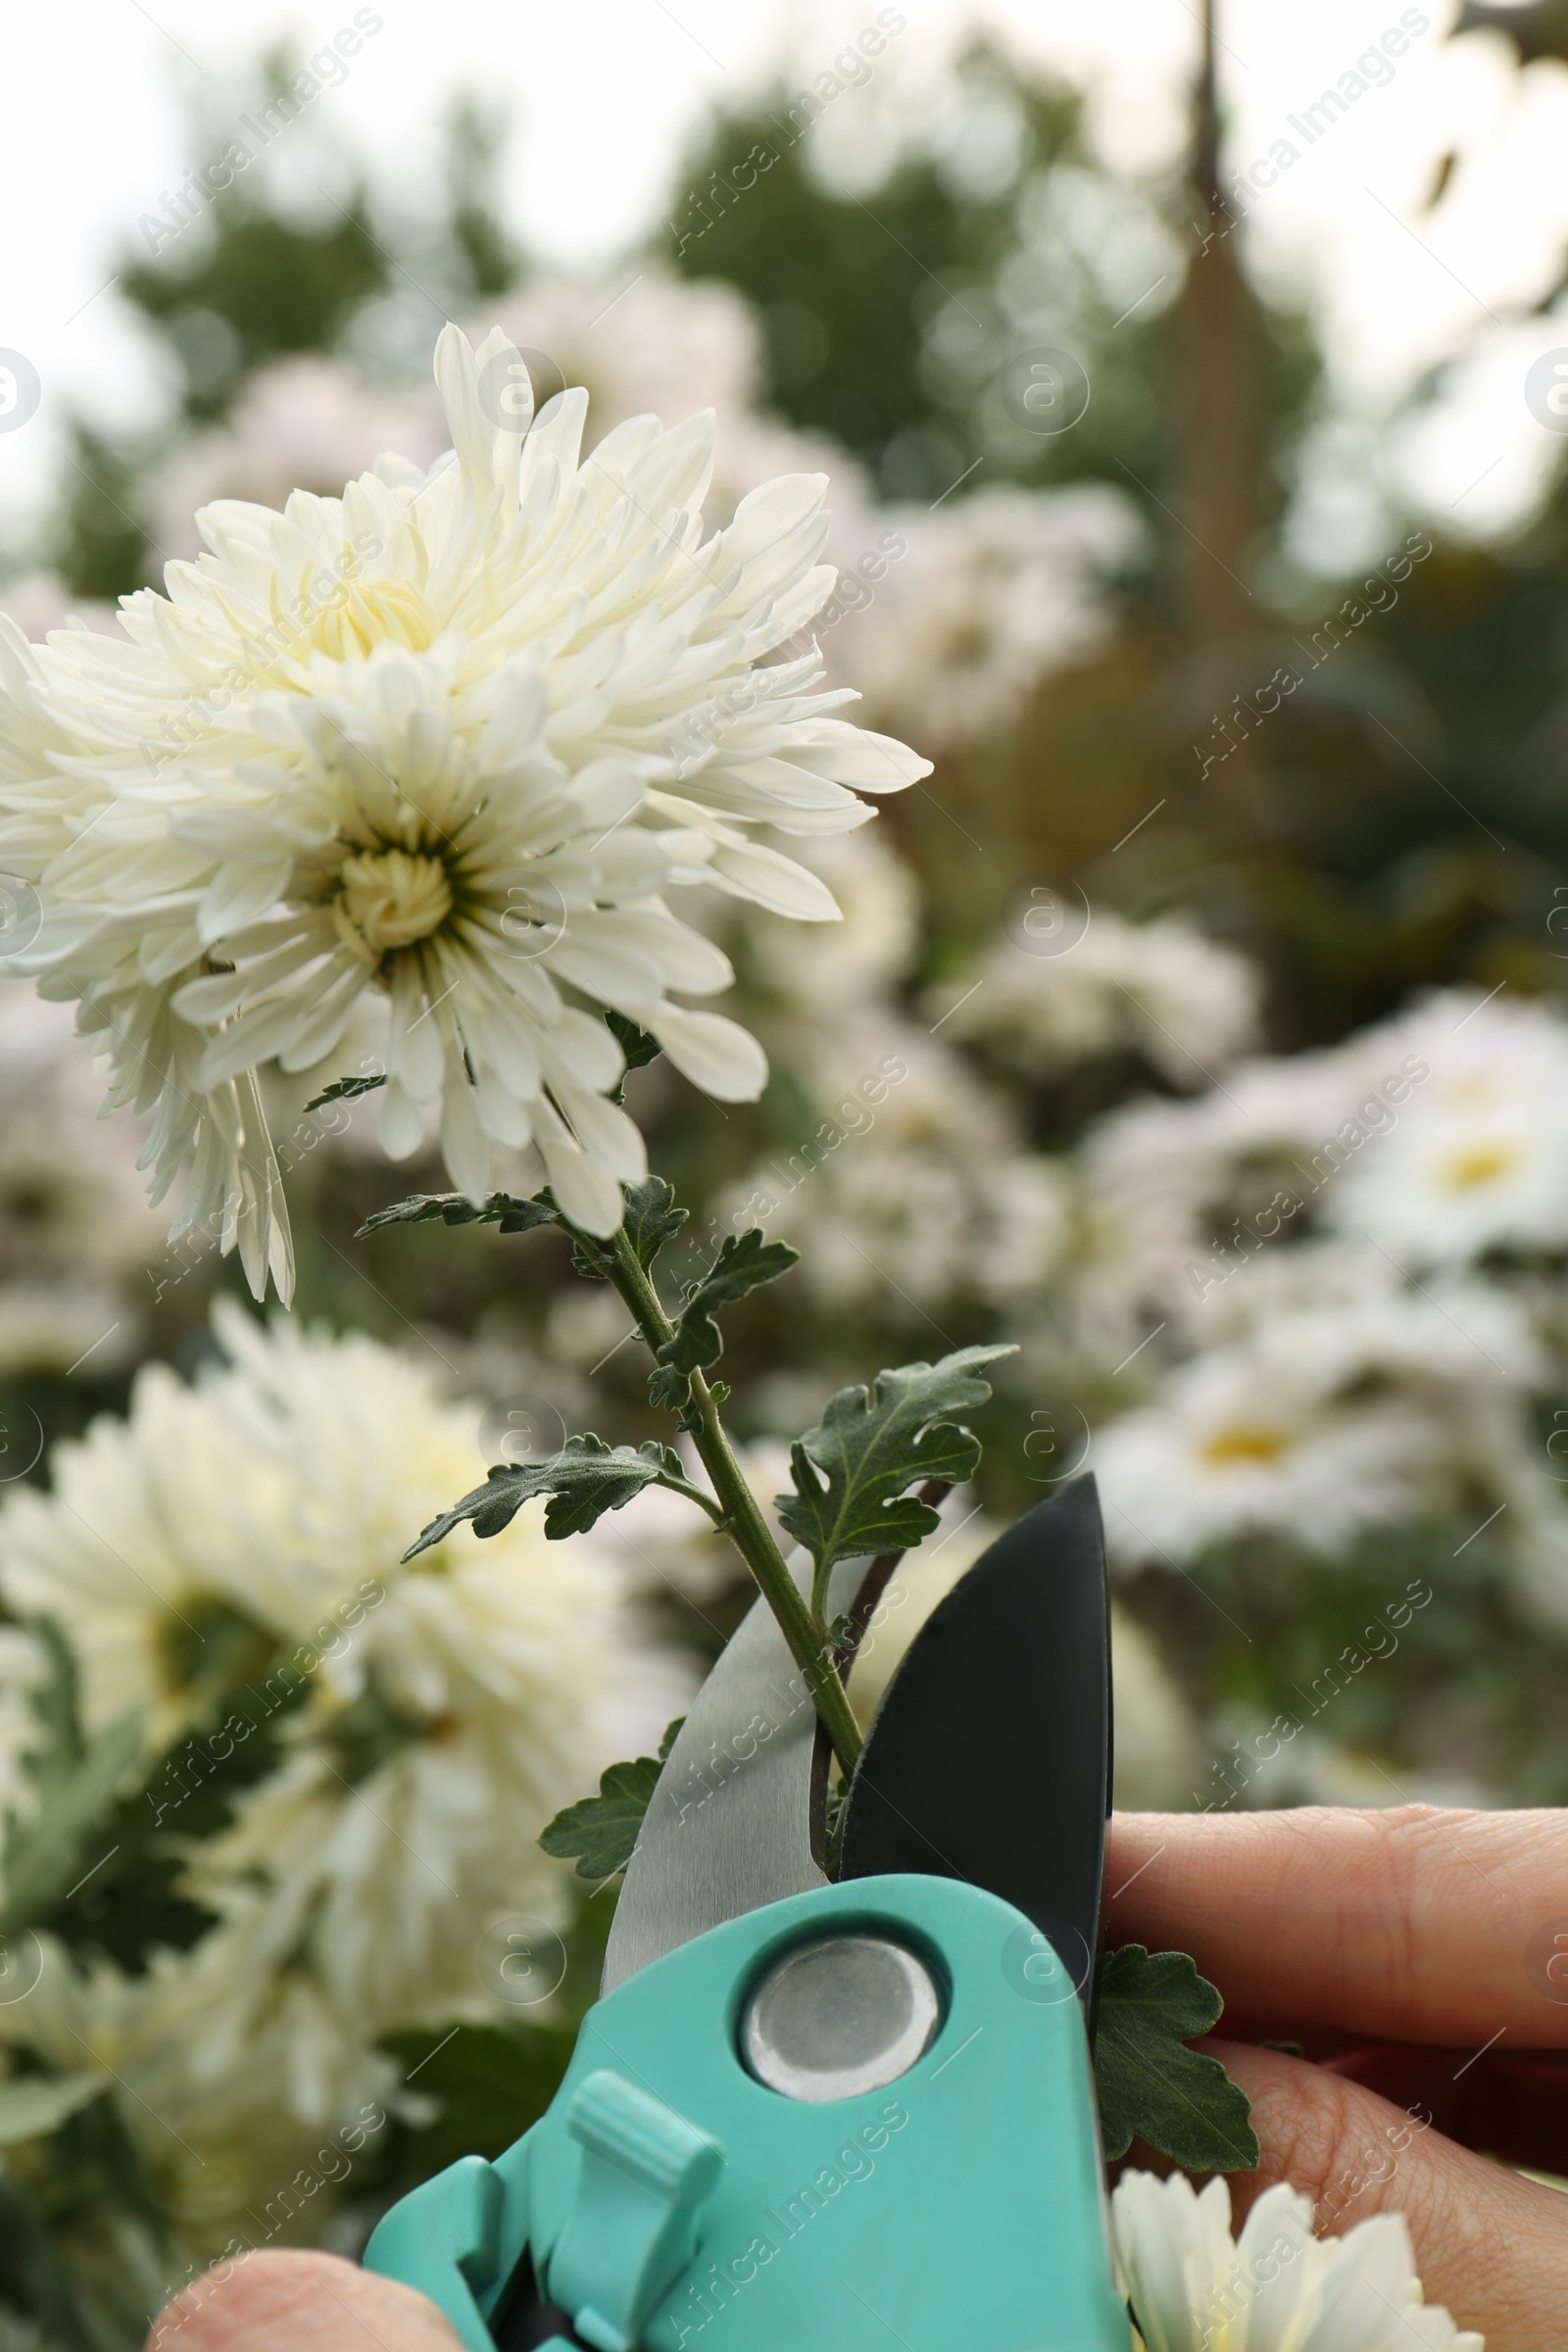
[{"x": 297, "y": 2300}]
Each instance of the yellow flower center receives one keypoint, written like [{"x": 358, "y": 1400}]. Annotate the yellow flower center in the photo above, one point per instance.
[
  {"x": 1243, "y": 1442},
  {"x": 391, "y": 898},
  {"x": 1481, "y": 1163},
  {"x": 359, "y": 615}
]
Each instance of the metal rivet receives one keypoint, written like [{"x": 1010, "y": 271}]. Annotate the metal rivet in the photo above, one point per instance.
[{"x": 840, "y": 2017}]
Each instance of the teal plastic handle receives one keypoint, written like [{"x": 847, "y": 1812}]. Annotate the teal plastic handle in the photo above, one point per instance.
[{"x": 957, "y": 2209}]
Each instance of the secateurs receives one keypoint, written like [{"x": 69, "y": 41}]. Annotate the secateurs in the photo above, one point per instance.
[{"x": 807, "y": 2116}]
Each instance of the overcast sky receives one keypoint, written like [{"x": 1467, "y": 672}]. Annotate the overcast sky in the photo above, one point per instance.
[{"x": 603, "y": 93}]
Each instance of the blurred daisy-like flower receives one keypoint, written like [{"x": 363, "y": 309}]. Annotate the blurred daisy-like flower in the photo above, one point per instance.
[
  {"x": 980, "y": 602},
  {"x": 1195, "y": 2288},
  {"x": 448, "y": 737},
  {"x": 1161, "y": 989},
  {"x": 1343, "y": 1402},
  {"x": 1477, "y": 1158},
  {"x": 1240, "y": 1443}
]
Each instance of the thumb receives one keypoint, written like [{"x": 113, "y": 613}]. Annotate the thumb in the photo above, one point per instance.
[
  {"x": 1489, "y": 2244},
  {"x": 299, "y": 2302}
]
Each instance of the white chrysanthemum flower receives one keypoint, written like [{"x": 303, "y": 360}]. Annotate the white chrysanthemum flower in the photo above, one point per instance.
[
  {"x": 1477, "y": 1159},
  {"x": 270, "y": 1505},
  {"x": 481, "y": 1698},
  {"x": 1275, "y": 2288},
  {"x": 437, "y": 1714},
  {"x": 1162, "y": 988},
  {"x": 450, "y": 737},
  {"x": 243, "y": 2114}
]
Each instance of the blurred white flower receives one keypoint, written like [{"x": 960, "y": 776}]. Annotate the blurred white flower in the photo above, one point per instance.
[
  {"x": 1241, "y": 1442},
  {"x": 1022, "y": 1227},
  {"x": 1478, "y": 1157},
  {"x": 55, "y": 1326},
  {"x": 823, "y": 973},
  {"x": 1156, "y": 1744},
  {"x": 308, "y": 424},
  {"x": 1194, "y": 2288},
  {"x": 516, "y": 698},
  {"x": 71, "y": 1206},
  {"x": 668, "y": 1549},
  {"x": 1185, "y": 1003},
  {"x": 883, "y": 1222},
  {"x": 269, "y": 1503},
  {"x": 671, "y": 347},
  {"x": 242, "y": 2120},
  {"x": 437, "y": 1715},
  {"x": 1157, "y": 1739},
  {"x": 404, "y": 1820},
  {"x": 661, "y": 346},
  {"x": 994, "y": 592},
  {"x": 22, "y": 1668}
]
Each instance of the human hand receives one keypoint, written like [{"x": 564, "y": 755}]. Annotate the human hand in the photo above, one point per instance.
[
  {"x": 299, "y": 2302},
  {"x": 1408, "y": 1952}
]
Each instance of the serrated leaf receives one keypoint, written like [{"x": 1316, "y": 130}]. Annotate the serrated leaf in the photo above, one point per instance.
[
  {"x": 344, "y": 1089},
  {"x": 455, "y": 1208},
  {"x": 1150, "y": 2086},
  {"x": 652, "y": 1219},
  {"x": 744, "y": 1262},
  {"x": 585, "y": 1479},
  {"x": 601, "y": 1832},
  {"x": 38, "y": 2104},
  {"x": 852, "y": 1469},
  {"x": 639, "y": 1047}
]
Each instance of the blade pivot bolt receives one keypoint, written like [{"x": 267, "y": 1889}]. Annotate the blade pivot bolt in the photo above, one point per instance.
[{"x": 840, "y": 2017}]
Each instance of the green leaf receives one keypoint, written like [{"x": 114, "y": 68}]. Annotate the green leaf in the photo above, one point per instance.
[
  {"x": 744, "y": 1262},
  {"x": 638, "y": 1046},
  {"x": 37, "y": 2104},
  {"x": 652, "y": 1219},
  {"x": 872, "y": 1447},
  {"x": 455, "y": 1208},
  {"x": 1150, "y": 2086},
  {"x": 75, "y": 1783},
  {"x": 601, "y": 1832},
  {"x": 344, "y": 1089},
  {"x": 584, "y": 1480}
]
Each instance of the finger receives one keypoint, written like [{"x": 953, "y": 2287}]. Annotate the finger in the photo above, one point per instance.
[
  {"x": 1410, "y": 1924},
  {"x": 1491, "y": 2247},
  {"x": 299, "y": 2302}
]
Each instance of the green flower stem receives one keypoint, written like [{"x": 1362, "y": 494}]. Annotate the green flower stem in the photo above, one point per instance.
[
  {"x": 746, "y": 1527},
  {"x": 680, "y": 1486}
]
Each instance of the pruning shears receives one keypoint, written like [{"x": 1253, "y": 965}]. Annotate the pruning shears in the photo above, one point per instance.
[{"x": 817, "y": 2116}]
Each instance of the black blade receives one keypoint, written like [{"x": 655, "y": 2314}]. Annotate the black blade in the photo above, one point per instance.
[{"x": 990, "y": 1756}]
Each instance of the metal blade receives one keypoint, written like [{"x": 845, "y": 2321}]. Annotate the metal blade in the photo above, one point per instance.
[
  {"x": 990, "y": 1756},
  {"x": 729, "y": 1826}
]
